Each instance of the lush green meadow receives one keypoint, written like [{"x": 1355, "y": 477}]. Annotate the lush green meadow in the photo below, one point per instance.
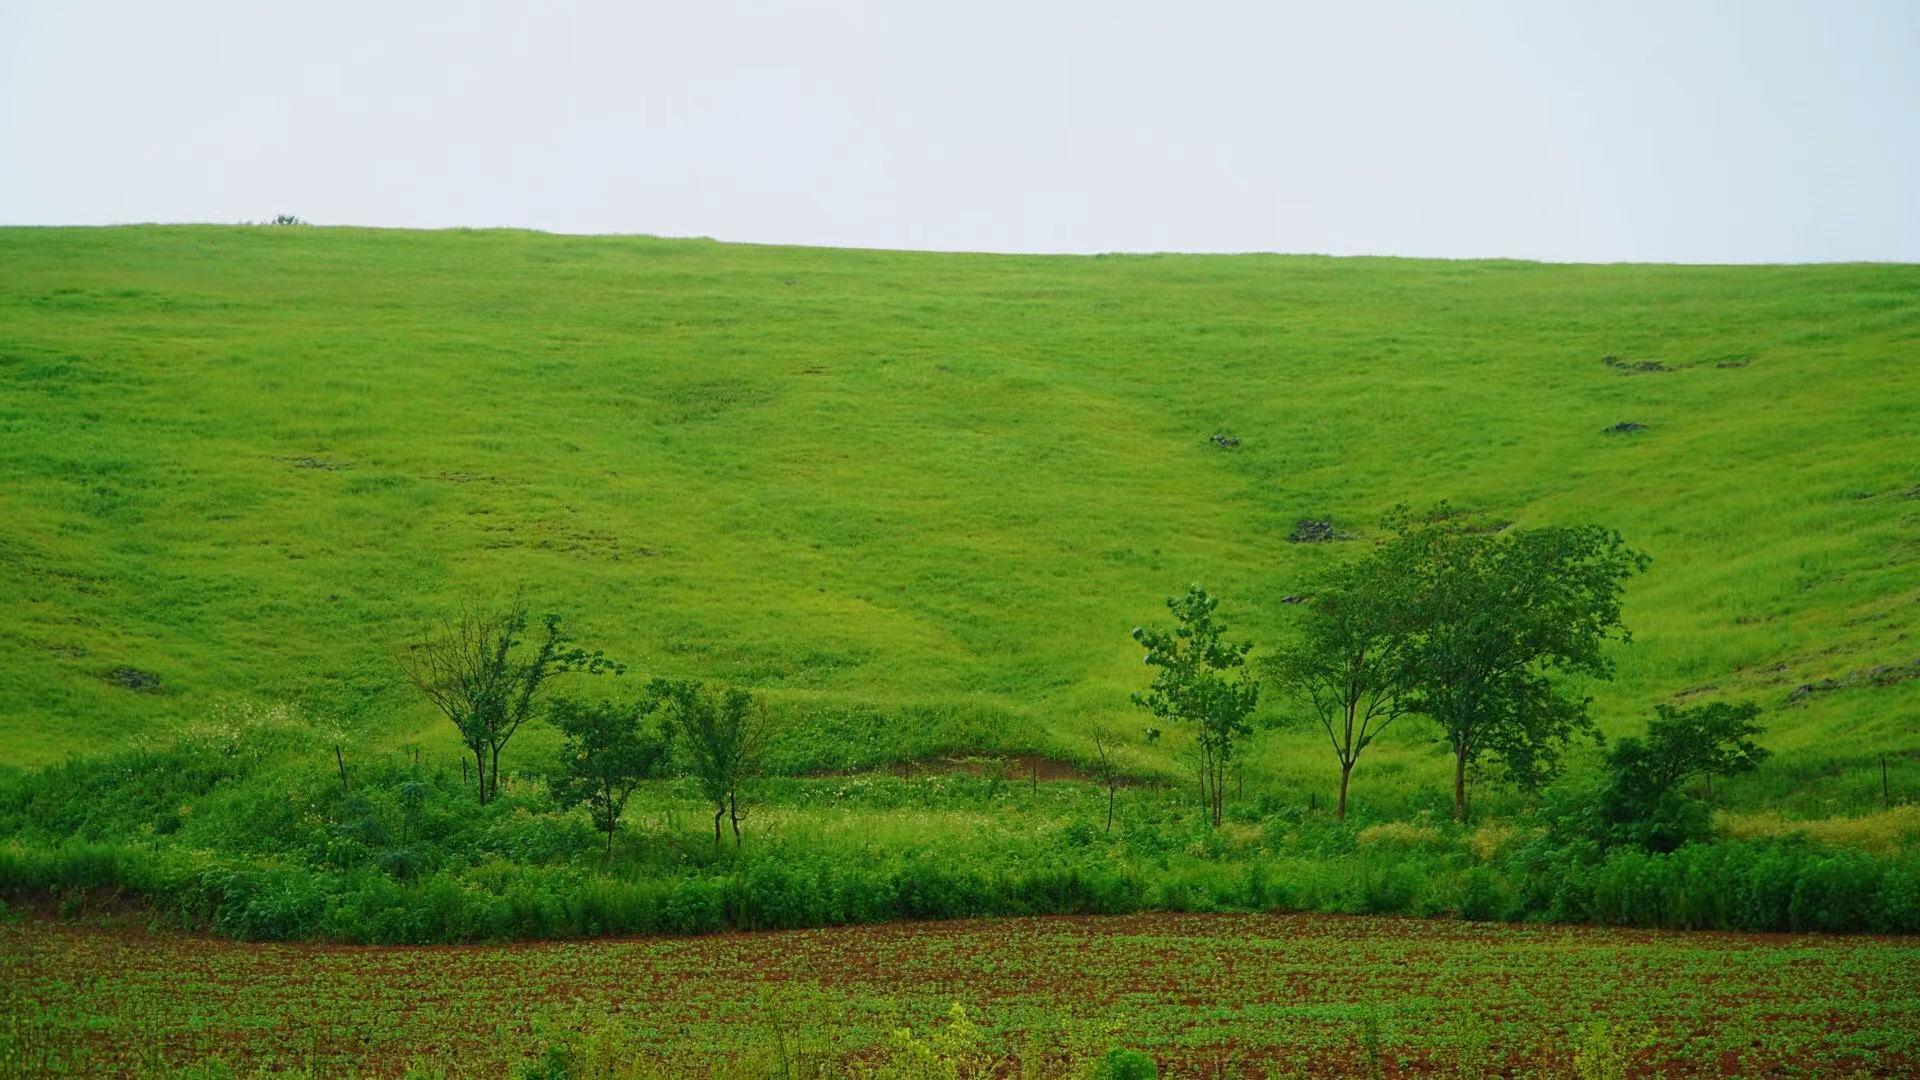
[
  {"x": 1203, "y": 997},
  {"x": 916, "y": 503},
  {"x": 917, "y": 500}
]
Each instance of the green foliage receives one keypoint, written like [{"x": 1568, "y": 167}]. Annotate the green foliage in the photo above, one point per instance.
[
  {"x": 1640, "y": 800},
  {"x": 1715, "y": 739},
  {"x": 957, "y": 1051},
  {"x": 607, "y": 750},
  {"x": 721, "y": 735},
  {"x": 406, "y": 856},
  {"x": 1200, "y": 680},
  {"x": 1349, "y": 661},
  {"x": 1602, "y": 1052},
  {"x": 1491, "y": 617},
  {"x": 1120, "y": 1063}
]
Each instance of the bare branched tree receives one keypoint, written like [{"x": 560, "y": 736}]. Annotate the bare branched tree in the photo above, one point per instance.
[
  {"x": 1107, "y": 769},
  {"x": 484, "y": 675}
]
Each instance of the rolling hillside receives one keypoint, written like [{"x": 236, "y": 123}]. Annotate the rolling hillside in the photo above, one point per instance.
[{"x": 916, "y": 499}]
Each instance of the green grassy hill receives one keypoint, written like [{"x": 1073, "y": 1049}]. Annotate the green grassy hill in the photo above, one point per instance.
[{"x": 917, "y": 499}]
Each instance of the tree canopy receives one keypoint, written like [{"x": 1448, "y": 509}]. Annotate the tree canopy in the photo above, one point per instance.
[
  {"x": 719, "y": 734},
  {"x": 1641, "y": 801},
  {"x": 607, "y": 749},
  {"x": 1347, "y": 660},
  {"x": 1492, "y": 618}
]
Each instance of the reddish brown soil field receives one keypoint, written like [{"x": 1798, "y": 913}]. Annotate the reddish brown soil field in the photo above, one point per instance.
[{"x": 1205, "y": 995}]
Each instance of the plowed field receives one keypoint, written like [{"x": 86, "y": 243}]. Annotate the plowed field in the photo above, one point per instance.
[{"x": 1205, "y": 995}]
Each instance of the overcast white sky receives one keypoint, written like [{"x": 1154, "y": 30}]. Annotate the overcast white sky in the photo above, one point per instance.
[{"x": 1746, "y": 130}]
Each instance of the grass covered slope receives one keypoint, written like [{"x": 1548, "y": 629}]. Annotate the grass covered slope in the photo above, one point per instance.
[{"x": 916, "y": 499}]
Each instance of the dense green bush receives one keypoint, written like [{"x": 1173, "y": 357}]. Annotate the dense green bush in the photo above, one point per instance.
[
  {"x": 266, "y": 851},
  {"x": 1731, "y": 886},
  {"x": 1753, "y": 886}
]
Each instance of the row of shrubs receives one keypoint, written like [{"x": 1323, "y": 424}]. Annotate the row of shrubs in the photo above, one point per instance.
[
  {"x": 263, "y": 846},
  {"x": 1749, "y": 886}
]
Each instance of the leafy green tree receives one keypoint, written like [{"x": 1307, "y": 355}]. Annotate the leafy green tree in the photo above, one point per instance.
[
  {"x": 606, "y": 750},
  {"x": 484, "y": 673},
  {"x": 1642, "y": 802},
  {"x": 1200, "y": 680},
  {"x": 1492, "y": 617},
  {"x": 720, "y": 735},
  {"x": 1348, "y": 662}
]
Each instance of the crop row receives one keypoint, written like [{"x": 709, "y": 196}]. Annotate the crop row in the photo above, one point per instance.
[{"x": 1224, "y": 994}]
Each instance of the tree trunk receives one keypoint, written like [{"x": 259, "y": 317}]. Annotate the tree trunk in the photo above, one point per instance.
[
  {"x": 1208, "y": 786},
  {"x": 480, "y": 774},
  {"x": 342, "y": 761},
  {"x": 1109, "y": 807},
  {"x": 733, "y": 815},
  {"x": 613, "y": 822},
  {"x": 1460, "y": 783},
  {"x": 493, "y": 776},
  {"x": 1346, "y": 770},
  {"x": 719, "y": 812}
]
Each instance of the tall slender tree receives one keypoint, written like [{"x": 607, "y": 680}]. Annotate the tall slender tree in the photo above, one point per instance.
[
  {"x": 1107, "y": 767},
  {"x": 1348, "y": 661},
  {"x": 1201, "y": 680}
]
